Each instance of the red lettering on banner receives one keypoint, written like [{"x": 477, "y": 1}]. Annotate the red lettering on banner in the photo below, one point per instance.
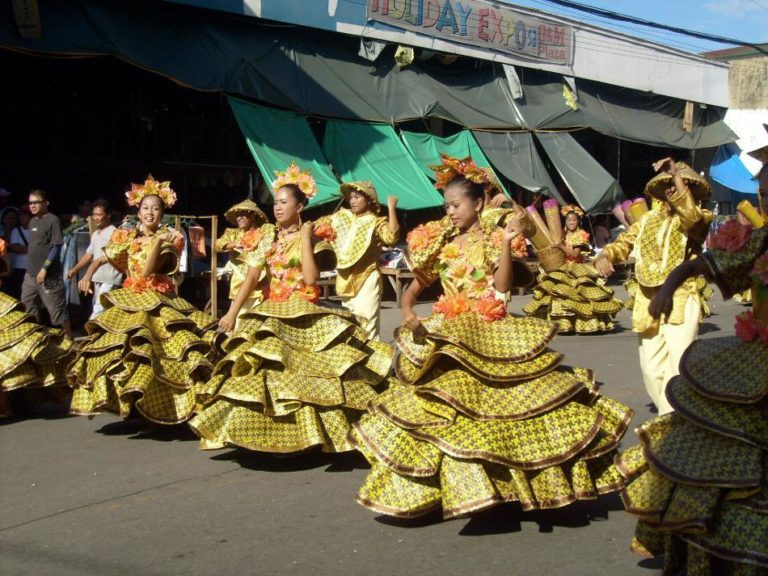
[
  {"x": 482, "y": 24},
  {"x": 550, "y": 52},
  {"x": 380, "y": 5},
  {"x": 559, "y": 39},
  {"x": 497, "y": 27}
]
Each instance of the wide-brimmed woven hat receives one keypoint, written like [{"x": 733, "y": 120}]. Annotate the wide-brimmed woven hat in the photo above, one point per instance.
[
  {"x": 658, "y": 185},
  {"x": 246, "y": 206},
  {"x": 364, "y": 187}
]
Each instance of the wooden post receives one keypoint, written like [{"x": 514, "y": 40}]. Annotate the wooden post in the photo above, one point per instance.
[
  {"x": 214, "y": 267},
  {"x": 177, "y": 227}
]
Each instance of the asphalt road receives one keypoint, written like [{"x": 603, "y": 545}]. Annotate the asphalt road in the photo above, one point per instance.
[{"x": 99, "y": 497}]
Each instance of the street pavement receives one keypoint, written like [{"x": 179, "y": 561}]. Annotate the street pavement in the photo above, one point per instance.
[{"x": 102, "y": 497}]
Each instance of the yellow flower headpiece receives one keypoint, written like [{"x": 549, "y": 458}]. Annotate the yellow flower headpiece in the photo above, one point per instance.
[
  {"x": 452, "y": 167},
  {"x": 295, "y": 175},
  {"x": 568, "y": 208},
  {"x": 151, "y": 187}
]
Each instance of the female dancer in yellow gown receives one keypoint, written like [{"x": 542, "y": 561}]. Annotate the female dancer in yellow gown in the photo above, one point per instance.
[
  {"x": 150, "y": 350},
  {"x": 32, "y": 356},
  {"x": 483, "y": 412},
  {"x": 574, "y": 296},
  {"x": 296, "y": 375}
]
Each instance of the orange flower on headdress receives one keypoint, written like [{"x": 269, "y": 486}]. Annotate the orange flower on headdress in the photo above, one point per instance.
[
  {"x": 568, "y": 208},
  {"x": 295, "y": 175},
  {"x": 151, "y": 187},
  {"x": 452, "y": 167},
  {"x": 3, "y": 247}
]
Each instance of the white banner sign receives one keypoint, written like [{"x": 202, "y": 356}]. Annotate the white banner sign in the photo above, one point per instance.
[{"x": 478, "y": 23}]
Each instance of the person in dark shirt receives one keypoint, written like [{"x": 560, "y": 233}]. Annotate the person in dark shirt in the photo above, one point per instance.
[{"x": 43, "y": 282}]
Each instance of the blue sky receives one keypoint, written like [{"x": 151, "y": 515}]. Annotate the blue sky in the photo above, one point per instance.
[{"x": 745, "y": 20}]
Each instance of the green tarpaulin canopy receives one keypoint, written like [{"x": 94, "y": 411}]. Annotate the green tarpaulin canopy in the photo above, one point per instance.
[
  {"x": 361, "y": 151},
  {"x": 515, "y": 156},
  {"x": 275, "y": 138},
  {"x": 593, "y": 187},
  {"x": 426, "y": 149}
]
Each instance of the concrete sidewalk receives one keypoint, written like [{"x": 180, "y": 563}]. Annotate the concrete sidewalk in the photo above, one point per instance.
[{"x": 97, "y": 497}]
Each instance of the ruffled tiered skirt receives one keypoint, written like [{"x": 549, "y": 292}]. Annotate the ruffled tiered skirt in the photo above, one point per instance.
[
  {"x": 31, "y": 355},
  {"x": 148, "y": 351},
  {"x": 295, "y": 375},
  {"x": 485, "y": 413},
  {"x": 574, "y": 297},
  {"x": 699, "y": 480}
]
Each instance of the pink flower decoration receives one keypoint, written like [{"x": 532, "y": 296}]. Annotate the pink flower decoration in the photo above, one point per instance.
[
  {"x": 746, "y": 326},
  {"x": 731, "y": 236}
]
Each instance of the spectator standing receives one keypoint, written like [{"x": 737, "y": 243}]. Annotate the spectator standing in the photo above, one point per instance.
[
  {"x": 18, "y": 242},
  {"x": 43, "y": 282},
  {"x": 101, "y": 276}
]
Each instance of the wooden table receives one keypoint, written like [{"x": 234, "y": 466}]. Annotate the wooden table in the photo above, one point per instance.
[{"x": 399, "y": 278}]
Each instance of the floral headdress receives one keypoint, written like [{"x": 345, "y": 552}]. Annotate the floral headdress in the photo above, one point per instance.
[
  {"x": 295, "y": 175},
  {"x": 151, "y": 187},
  {"x": 452, "y": 167},
  {"x": 568, "y": 208}
]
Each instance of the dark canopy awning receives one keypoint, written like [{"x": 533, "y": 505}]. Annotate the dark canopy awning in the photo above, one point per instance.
[{"x": 320, "y": 73}]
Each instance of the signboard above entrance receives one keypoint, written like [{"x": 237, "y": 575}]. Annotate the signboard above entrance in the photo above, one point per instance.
[{"x": 479, "y": 23}]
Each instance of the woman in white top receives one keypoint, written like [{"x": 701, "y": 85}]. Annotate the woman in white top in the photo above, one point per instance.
[{"x": 18, "y": 240}]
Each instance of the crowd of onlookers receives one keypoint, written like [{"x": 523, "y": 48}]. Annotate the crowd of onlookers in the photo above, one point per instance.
[{"x": 35, "y": 238}]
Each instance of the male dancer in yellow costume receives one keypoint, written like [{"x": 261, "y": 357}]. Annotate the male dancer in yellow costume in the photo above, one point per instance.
[
  {"x": 664, "y": 237},
  {"x": 357, "y": 235},
  {"x": 247, "y": 216}
]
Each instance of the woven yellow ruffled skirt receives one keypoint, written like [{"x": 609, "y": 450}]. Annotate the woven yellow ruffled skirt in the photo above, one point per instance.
[
  {"x": 295, "y": 375},
  {"x": 574, "y": 297},
  {"x": 485, "y": 413},
  {"x": 146, "y": 350},
  {"x": 699, "y": 480},
  {"x": 31, "y": 355}
]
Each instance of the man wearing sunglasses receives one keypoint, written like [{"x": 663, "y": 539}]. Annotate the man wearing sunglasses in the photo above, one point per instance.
[{"x": 43, "y": 282}]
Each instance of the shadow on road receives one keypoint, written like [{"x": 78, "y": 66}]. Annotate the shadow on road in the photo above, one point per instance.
[
  {"x": 509, "y": 518},
  {"x": 140, "y": 429},
  {"x": 707, "y": 327},
  {"x": 307, "y": 460}
]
